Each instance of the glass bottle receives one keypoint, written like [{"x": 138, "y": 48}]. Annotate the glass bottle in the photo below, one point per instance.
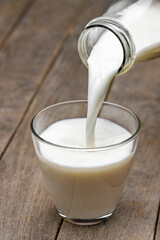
[{"x": 136, "y": 23}]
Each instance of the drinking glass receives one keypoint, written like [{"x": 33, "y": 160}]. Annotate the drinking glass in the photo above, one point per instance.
[{"x": 85, "y": 183}]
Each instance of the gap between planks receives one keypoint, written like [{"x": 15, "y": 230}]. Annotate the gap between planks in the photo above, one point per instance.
[
  {"x": 157, "y": 225},
  {"x": 15, "y": 24},
  {"x": 58, "y": 229},
  {"x": 50, "y": 65}
]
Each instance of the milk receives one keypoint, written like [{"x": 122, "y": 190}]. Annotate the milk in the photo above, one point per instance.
[
  {"x": 85, "y": 184},
  {"x": 142, "y": 21},
  {"x": 103, "y": 64}
]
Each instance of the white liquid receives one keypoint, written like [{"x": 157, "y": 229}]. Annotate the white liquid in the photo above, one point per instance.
[
  {"x": 142, "y": 19},
  {"x": 107, "y": 55},
  {"x": 103, "y": 64},
  {"x": 84, "y": 184}
]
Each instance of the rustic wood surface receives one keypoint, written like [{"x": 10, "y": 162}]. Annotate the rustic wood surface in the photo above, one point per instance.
[
  {"x": 11, "y": 13},
  {"x": 27, "y": 57},
  {"x": 39, "y": 66}
]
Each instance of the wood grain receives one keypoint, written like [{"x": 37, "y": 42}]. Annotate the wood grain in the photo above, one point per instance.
[
  {"x": 11, "y": 13},
  {"x": 28, "y": 56}
]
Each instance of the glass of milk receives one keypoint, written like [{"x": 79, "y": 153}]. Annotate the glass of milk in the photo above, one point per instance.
[{"x": 85, "y": 183}]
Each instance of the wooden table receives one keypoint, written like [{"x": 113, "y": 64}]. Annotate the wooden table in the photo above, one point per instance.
[{"x": 39, "y": 66}]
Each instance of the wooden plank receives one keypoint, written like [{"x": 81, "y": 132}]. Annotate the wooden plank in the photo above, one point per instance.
[
  {"x": 27, "y": 211},
  {"x": 11, "y": 13},
  {"x": 28, "y": 56}
]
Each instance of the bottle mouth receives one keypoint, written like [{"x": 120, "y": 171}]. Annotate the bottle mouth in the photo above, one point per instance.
[{"x": 120, "y": 32}]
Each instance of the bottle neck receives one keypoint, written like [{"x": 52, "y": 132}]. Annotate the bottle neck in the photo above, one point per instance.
[{"x": 88, "y": 39}]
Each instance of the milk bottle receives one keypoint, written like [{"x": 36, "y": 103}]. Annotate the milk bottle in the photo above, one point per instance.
[{"x": 128, "y": 32}]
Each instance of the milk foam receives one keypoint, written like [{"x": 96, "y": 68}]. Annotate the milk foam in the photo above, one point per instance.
[{"x": 71, "y": 133}]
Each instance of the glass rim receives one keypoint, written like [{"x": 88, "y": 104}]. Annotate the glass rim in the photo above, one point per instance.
[{"x": 133, "y": 136}]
